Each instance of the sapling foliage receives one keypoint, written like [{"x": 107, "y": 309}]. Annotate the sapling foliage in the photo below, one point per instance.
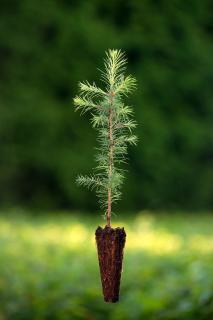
[{"x": 114, "y": 123}]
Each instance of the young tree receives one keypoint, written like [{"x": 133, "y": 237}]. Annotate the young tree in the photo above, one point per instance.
[{"x": 114, "y": 123}]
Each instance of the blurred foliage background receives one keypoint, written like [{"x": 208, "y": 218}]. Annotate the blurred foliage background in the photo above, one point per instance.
[
  {"x": 46, "y": 47},
  {"x": 48, "y": 263},
  {"x": 49, "y": 268}
]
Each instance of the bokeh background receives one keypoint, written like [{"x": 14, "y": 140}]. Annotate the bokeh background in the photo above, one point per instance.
[{"x": 48, "y": 265}]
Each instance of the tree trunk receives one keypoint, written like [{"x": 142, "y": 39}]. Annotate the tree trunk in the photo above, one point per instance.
[{"x": 110, "y": 245}]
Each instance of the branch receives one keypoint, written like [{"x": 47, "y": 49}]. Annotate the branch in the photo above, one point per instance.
[
  {"x": 126, "y": 86},
  {"x": 84, "y": 103},
  {"x": 91, "y": 90}
]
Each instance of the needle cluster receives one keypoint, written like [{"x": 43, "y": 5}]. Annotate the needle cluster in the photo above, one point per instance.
[{"x": 114, "y": 123}]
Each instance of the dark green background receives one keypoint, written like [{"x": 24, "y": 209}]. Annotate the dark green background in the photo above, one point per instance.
[{"x": 47, "y": 46}]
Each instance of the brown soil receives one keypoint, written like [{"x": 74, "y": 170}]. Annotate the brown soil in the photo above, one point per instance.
[{"x": 110, "y": 245}]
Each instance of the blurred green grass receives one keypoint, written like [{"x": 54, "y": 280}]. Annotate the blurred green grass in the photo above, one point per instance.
[{"x": 49, "y": 268}]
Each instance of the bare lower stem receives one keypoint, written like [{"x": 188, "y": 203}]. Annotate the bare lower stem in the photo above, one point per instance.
[{"x": 108, "y": 217}]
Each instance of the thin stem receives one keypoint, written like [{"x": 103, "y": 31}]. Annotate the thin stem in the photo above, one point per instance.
[{"x": 109, "y": 207}]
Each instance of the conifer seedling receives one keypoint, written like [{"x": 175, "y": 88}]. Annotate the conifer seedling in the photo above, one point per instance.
[{"x": 114, "y": 123}]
